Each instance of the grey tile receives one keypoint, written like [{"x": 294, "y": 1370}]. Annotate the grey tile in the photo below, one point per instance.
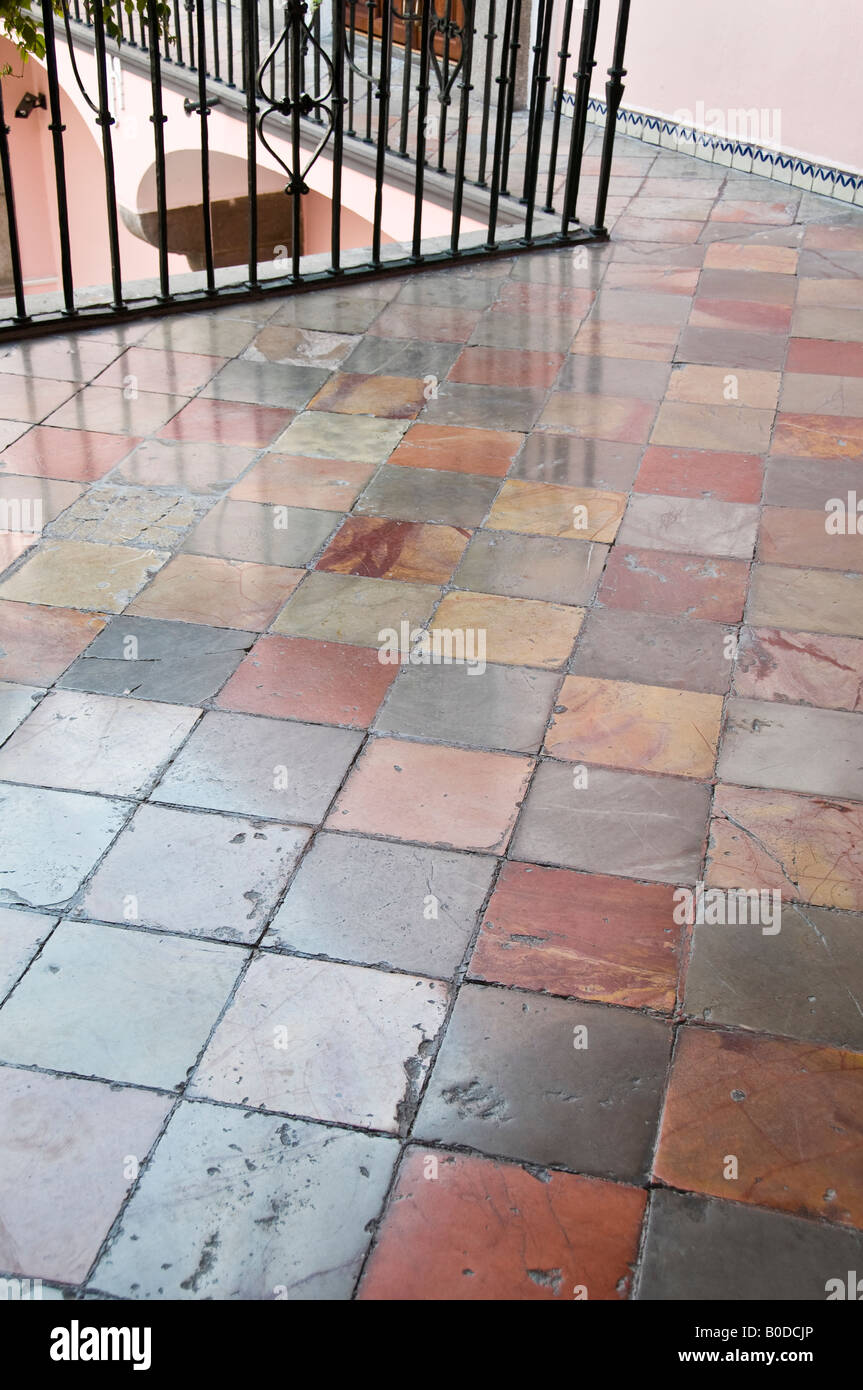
[
  {"x": 179, "y": 663},
  {"x": 727, "y": 347},
  {"x": 260, "y": 767},
  {"x": 615, "y": 376},
  {"x": 573, "y": 462},
  {"x": 428, "y": 494},
  {"x": 185, "y": 464},
  {"x": 120, "y": 1005},
  {"x": 525, "y": 331},
  {"x": 129, "y": 516},
  {"x": 21, "y": 935},
  {"x": 379, "y": 903},
  {"x": 331, "y": 311},
  {"x": 16, "y": 702},
  {"x": 498, "y": 707},
  {"x": 218, "y": 876},
  {"x": 701, "y": 1249},
  {"x": 537, "y": 567},
  {"x": 794, "y": 747},
  {"x": 691, "y": 525},
  {"x": 242, "y": 1206},
  {"x": 395, "y": 357},
  {"x": 510, "y": 1080},
  {"x": 266, "y": 383},
  {"x": 51, "y": 840},
  {"x": 684, "y": 653},
  {"x": 261, "y": 533},
  {"x": 621, "y": 823},
  {"x": 460, "y": 292},
  {"x": 810, "y": 483},
  {"x": 488, "y": 407}
]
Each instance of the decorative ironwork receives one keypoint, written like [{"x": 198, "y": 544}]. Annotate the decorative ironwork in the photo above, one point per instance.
[{"x": 297, "y": 103}]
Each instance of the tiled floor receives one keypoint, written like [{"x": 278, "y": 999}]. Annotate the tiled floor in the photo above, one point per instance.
[{"x": 428, "y": 1021}]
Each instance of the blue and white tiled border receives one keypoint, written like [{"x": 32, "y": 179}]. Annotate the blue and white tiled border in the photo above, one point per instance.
[{"x": 802, "y": 173}]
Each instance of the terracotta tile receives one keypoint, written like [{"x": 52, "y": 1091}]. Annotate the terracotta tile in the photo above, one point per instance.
[
  {"x": 767, "y": 214},
  {"x": 740, "y": 315},
  {"x": 352, "y": 393},
  {"x": 618, "y": 418},
  {"x": 544, "y": 509},
  {"x": 657, "y": 229},
  {"x": 584, "y": 935},
  {"x": 440, "y": 796},
  {"x": 224, "y": 593},
  {"x": 79, "y": 455},
  {"x": 449, "y": 448},
  {"x": 818, "y": 355},
  {"x": 649, "y": 343},
  {"x": 439, "y": 324},
  {"x": 790, "y": 746},
  {"x": 676, "y": 472},
  {"x": 60, "y": 357},
  {"x": 650, "y": 581},
  {"x": 152, "y": 369},
  {"x": 645, "y": 728},
  {"x": 289, "y": 480},
  {"x": 189, "y": 466},
  {"x": 713, "y": 427},
  {"x": 491, "y": 1230},
  {"x": 109, "y": 410},
  {"x": 31, "y": 398},
  {"x": 518, "y": 632},
  {"x": 344, "y": 608},
  {"x": 502, "y": 367},
  {"x": 690, "y": 524},
  {"x": 822, "y": 393},
  {"x": 819, "y": 436},
  {"x": 788, "y": 1111},
  {"x": 227, "y": 422},
  {"x": 806, "y": 600},
  {"x": 791, "y": 536},
  {"x": 734, "y": 349},
  {"x": 718, "y": 386},
  {"x": 799, "y": 667},
  {"x": 572, "y": 462},
  {"x": 836, "y": 238},
  {"x": 296, "y": 678},
  {"x": 39, "y": 643},
  {"x": 376, "y": 548},
  {"x": 808, "y": 847},
  {"x": 99, "y": 578},
  {"x": 731, "y": 255}
]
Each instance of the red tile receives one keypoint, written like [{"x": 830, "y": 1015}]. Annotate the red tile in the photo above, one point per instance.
[
  {"x": 818, "y": 436},
  {"x": 488, "y": 366},
  {"x": 755, "y": 211},
  {"x": 37, "y": 643},
  {"x": 690, "y": 586},
  {"x": 460, "y": 1227},
  {"x": 296, "y": 678},
  {"x": 740, "y": 314},
  {"x": 672, "y": 472},
  {"x": 489, "y": 452},
  {"x": 820, "y": 355},
  {"x": 377, "y": 548},
  {"x": 76, "y": 455},
  {"x": 227, "y": 422},
  {"x": 155, "y": 369}
]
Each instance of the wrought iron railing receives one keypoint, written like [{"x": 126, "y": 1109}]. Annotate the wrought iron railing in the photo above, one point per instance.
[{"x": 474, "y": 104}]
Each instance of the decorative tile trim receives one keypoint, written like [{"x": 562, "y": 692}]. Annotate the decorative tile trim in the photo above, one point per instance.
[{"x": 829, "y": 181}]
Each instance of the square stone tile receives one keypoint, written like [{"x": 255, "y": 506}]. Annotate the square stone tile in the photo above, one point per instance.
[
  {"x": 329, "y": 435},
  {"x": 797, "y": 536},
  {"x": 802, "y": 980},
  {"x": 129, "y": 515},
  {"x": 698, "y": 526},
  {"x": 545, "y": 509},
  {"x": 51, "y": 841},
  {"x": 16, "y": 702},
  {"x": 62, "y": 358},
  {"x": 495, "y": 707},
  {"x": 452, "y": 797},
  {"x": 227, "y": 422},
  {"x": 95, "y": 743},
  {"x": 819, "y": 436},
  {"x": 622, "y": 418},
  {"x": 614, "y": 376},
  {"x": 334, "y": 311},
  {"x": 346, "y": 608},
  {"x": 569, "y": 461},
  {"x": 818, "y": 393},
  {"x": 518, "y": 631},
  {"x": 98, "y": 578},
  {"x": 657, "y": 229},
  {"x": 395, "y": 357},
  {"x": 840, "y": 325},
  {"x": 490, "y": 366},
  {"x": 156, "y": 369},
  {"x": 732, "y": 348},
  {"x": 219, "y": 334},
  {"x": 510, "y": 407},
  {"x": 731, "y": 255},
  {"x": 705, "y": 1250},
  {"x": 761, "y": 287},
  {"x": 695, "y": 473},
  {"x": 684, "y": 653},
  {"x": 437, "y": 323},
  {"x": 58, "y": 1200},
  {"x": 533, "y": 567},
  {"x": 723, "y": 426},
  {"x": 21, "y": 935},
  {"x": 810, "y": 483},
  {"x": 260, "y": 533},
  {"x": 645, "y": 728},
  {"x": 561, "y": 1234},
  {"x": 820, "y": 355},
  {"x": 632, "y": 306},
  {"x": 110, "y": 410},
  {"x": 224, "y": 593},
  {"x": 298, "y": 678},
  {"x": 524, "y": 331},
  {"x": 28, "y": 504},
  {"x": 426, "y": 494},
  {"x": 643, "y": 342},
  {"x": 509, "y": 1080},
  {"x": 789, "y": 1112},
  {"x": 82, "y": 456},
  {"x": 330, "y": 485},
  {"x": 451, "y": 449},
  {"x": 179, "y": 663},
  {"x": 266, "y": 383},
  {"x": 189, "y": 465},
  {"x": 587, "y": 935},
  {"x": 800, "y": 668},
  {"x": 620, "y": 823},
  {"x": 13, "y": 545},
  {"x": 740, "y": 315},
  {"x": 353, "y": 1050},
  {"x": 258, "y": 767},
  {"x": 805, "y": 600},
  {"x": 402, "y": 906},
  {"x": 119, "y": 1005},
  {"x": 218, "y": 1180},
  {"x": 219, "y": 876},
  {"x": 375, "y": 548},
  {"x": 358, "y": 393},
  {"x": 31, "y": 398},
  {"x": 793, "y": 747}
]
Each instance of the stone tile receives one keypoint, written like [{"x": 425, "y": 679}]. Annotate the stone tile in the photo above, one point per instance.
[
  {"x": 95, "y": 743},
  {"x": 425, "y": 494},
  {"x": 396, "y": 357},
  {"x": 298, "y": 678},
  {"x": 647, "y": 343},
  {"x": 683, "y": 653},
  {"x": 377, "y": 548},
  {"x": 266, "y": 534},
  {"x": 212, "y": 334},
  {"x": 522, "y": 331},
  {"x": 819, "y": 436},
  {"x": 333, "y": 311},
  {"x": 356, "y": 393},
  {"x": 713, "y": 427},
  {"x": 16, "y": 702},
  {"x": 21, "y": 935},
  {"x": 345, "y": 608},
  {"x": 518, "y": 632},
  {"x": 509, "y": 1080},
  {"x": 226, "y": 422},
  {"x": 731, "y": 255},
  {"x": 839, "y": 325},
  {"x": 58, "y": 1200},
  {"x": 136, "y": 516},
  {"x": 437, "y": 323},
  {"x": 806, "y": 600},
  {"x": 491, "y": 707},
  {"x": 330, "y": 485},
  {"x": 594, "y": 937},
  {"x": 510, "y": 407},
  {"x": 655, "y": 582},
  {"x": 808, "y": 355},
  {"x": 59, "y": 358},
  {"x": 800, "y": 668},
  {"x": 797, "y": 536},
  {"x": 187, "y": 465},
  {"x": 51, "y": 840},
  {"x": 553, "y": 301},
  {"x": 108, "y": 409},
  {"x": 100, "y": 578},
  {"x": 645, "y": 728},
  {"x": 456, "y": 288},
  {"x": 760, "y": 287},
  {"x": 253, "y": 766},
  {"x": 82, "y": 456},
  {"x": 219, "y": 876},
  {"x": 657, "y": 229},
  {"x": 266, "y": 383},
  {"x": 570, "y": 461},
  {"x": 457, "y": 798},
  {"x": 180, "y": 663},
  {"x": 13, "y": 545},
  {"x": 489, "y": 366},
  {"x": 802, "y": 979},
  {"x": 355, "y": 1053},
  {"x": 678, "y": 472},
  {"x": 810, "y": 483},
  {"x": 712, "y": 385},
  {"x": 819, "y": 393},
  {"x": 323, "y": 434},
  {"x": 699, "y": 525},
  {"x": 614, "y": 376},
  {"x": 219, "y": 1179},
  {"x": 620, "y": 823},
  {"x": 155, "y": 369},
  {"x": 621, "y": 418},
  {"x": 633, "y": 307},
  {"x": 658, "y": 279},
  {"x": 533, "y": 567},
  {"x": 32, "y": 398},
  {"x": 224, "y": 593},
  {"x": 740, "y": 315},
  {"x": 545, "y": 509},
  {"x": 402, "y": 906},
  {"x": 450, "y": 449},
  {"x": 28, "y": 504},
  {"x": 792, "y": 747},
  {"x": 788, "y": 1111},
  {"x": 732, "y": 348},
  {"x": 496, "y": 1231},
  {"x": 299, "y": 347},
  {"x": 118, "y": 1005},
  {"x": 808, "y": 847},
  {"x": 704, "y": 1250}
]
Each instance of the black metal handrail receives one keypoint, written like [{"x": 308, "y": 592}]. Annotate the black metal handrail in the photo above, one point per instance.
[{"x": 308, "y": 89}]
